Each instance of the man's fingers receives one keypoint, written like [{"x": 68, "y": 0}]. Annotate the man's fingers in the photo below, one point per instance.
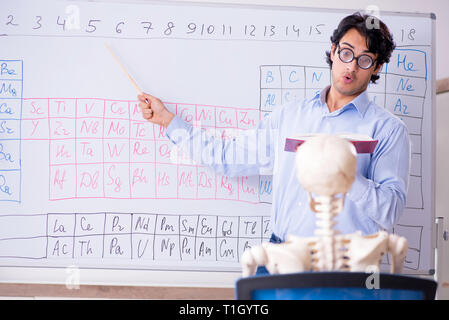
[
  {"x": 144, "y": 105},
  {"x": 146, "y": 102},
  {"x": 141, "y": 97},
  {"x": 147, "y": 113},
  {"x": 145, "y": 97}
]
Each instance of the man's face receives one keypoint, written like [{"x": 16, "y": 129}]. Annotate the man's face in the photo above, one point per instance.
[{"x": 348, "y": 78}]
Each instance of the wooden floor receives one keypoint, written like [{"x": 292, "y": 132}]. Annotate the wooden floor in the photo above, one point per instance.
[{"x": 115, "y": 292}]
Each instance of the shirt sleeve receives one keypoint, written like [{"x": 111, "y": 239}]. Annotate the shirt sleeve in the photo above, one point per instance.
[
  {"x": 382, "y": 195},
  {"x": 250, "y": 152}
]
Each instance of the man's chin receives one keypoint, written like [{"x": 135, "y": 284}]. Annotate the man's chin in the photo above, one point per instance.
[{"x": 348, "y": 91}]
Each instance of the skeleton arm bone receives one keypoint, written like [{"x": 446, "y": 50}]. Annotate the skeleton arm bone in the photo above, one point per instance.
[
  {"x": 397, "y": 247},
  {"x": 291, "y": 256}
]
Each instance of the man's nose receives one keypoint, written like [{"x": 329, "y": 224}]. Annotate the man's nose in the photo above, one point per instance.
[{"x": 352, "y": 66}]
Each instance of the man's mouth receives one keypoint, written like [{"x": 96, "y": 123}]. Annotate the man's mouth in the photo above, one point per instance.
[{"x": 348, "y": 79}]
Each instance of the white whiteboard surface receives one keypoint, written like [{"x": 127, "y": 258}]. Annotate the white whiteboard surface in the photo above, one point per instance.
[{"x": 86, "y": 183}]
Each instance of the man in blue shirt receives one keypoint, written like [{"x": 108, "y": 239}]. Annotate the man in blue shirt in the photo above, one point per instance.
[{"x": 377, "y": 197}]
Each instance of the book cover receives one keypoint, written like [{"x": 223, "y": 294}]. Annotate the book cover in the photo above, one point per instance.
[{"x": 362, "y": 143}]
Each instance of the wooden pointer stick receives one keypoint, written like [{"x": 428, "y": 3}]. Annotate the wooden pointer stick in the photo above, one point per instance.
[{"x": 124, "y": 70}]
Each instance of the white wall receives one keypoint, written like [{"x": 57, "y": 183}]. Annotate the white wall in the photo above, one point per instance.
[{"x": 442, "y": 182}]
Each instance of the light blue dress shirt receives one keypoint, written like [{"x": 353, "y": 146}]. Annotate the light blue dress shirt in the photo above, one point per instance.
[{"x": 378, "y": 195}]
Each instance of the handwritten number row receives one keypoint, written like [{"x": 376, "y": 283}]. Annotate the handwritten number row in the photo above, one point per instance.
[
  {"x": 249, "y": 30},
  {"x": 204, "y": 29}
]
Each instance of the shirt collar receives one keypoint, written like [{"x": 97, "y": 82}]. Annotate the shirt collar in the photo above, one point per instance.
[{"x": 361, "y": 102}]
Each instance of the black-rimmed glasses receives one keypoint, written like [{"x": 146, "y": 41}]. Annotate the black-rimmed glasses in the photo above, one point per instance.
[{"x": 346, "y": 55}]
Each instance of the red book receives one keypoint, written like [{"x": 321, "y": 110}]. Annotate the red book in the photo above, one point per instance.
[{"x": 362, "y": 143}]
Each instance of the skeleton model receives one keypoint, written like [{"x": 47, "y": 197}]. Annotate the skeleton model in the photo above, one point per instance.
[{"x": 326, "y": 167}]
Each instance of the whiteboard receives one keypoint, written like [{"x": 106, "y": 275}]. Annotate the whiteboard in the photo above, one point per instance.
[{"x": 87, "y": 185}]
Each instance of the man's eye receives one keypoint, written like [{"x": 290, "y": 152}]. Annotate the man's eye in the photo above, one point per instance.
[
  {"x": 347, "y": 54},
  {"x": 365, "y": 60}
]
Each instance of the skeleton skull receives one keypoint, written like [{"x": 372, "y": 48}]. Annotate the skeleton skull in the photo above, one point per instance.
[{"x": 326, "y": 165}]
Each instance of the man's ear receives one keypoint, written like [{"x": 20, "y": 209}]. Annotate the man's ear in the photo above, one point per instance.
[
  {"x": 332, "y": 52},
  {"x": 378, "y": 68}
]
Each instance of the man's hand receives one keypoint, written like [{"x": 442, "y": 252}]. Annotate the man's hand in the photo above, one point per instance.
[{"x": 154, "y": 110}]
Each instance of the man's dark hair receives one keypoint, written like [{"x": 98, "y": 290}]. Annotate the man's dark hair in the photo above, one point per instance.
[{"x": 378, "y": 38}]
